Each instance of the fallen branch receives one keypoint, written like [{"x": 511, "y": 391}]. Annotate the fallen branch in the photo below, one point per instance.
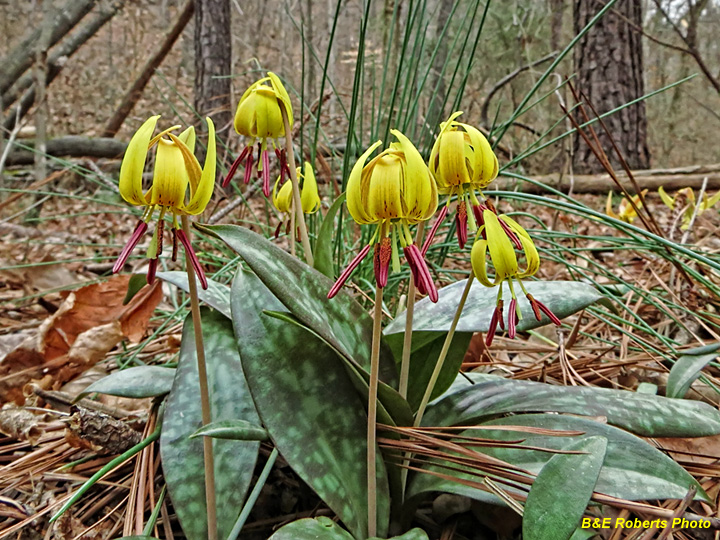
[
  {"x": 135, "y": 92},
  {"x": 21, "y": 57},
  {"x": 651, "y": 179},
  {"x": 71, "y": 146}
]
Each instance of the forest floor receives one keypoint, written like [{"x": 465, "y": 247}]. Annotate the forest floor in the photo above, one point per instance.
[{"x": 70, "y": 245}]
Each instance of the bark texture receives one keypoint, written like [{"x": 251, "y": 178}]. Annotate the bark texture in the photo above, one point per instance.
[
  {"x": 609, "y": 67},
  {"x": 212, "y": 61}
]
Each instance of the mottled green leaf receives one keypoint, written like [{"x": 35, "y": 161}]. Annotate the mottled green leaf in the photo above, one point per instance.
[
  {"x": 687, "y": 368},
  {"x": 137, "y": 282},
  {"x": 216, "y": 295},
  {"x": 422, "y": 362},
  {"x": 303, "y": 291},
  {"x": 237, "y": 430},
  {"x": 632, "y": 468},
  {"x": 644, "y": 414},
  {"x": 135, "y": 382},
  {"x": 562, "y": 490},
  {"x": 182, "y": 457},
  {"x": 308, "y": 404},
  {"x": 562, "y": 297},
  {"x": 324, "y": 245},
  {"x": 321, "y": 528},
  {"x": 393, "y": 409}
]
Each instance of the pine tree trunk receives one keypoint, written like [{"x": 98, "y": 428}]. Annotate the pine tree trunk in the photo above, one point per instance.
[
  {"x": 609, "y": 68},
  {"x": 212, "y": 61}
]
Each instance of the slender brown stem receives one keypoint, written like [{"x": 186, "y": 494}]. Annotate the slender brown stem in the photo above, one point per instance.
[
  {"x": 407, "y": 338},
  {"x": 443, "y": 352},
  {"x": 372, "y": 414},
  {"x": 204, "y": 393},
  {"x": 297, "y": 204}
]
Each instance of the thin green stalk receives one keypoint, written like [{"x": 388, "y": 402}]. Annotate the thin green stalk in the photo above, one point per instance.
[
  {"x": 253, "y": 497},
  {"x": 372, "y": 414},
  {"x": 155, "y": 513},
  {"x": 297, "y": 204},
  {"x": 204, "y": 392},
  {"x": 443, "y": 352},
  {"x": 112, "y": 464}
]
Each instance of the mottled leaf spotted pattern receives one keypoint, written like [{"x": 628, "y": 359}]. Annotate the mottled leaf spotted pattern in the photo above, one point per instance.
[
  {"x": 422, "y": 362},
  {"x": 647, "y": 415},
  {"x": 303, "y": 290},
  {"x": 632, "y": 468},
  {"x": 308, "y": 405},
  {"x": 182, "y": 457},
  {"x": 136, "y": 382},
  {"x": 324, "y": 244},
  {"x": 321, "y": 528},
  {"x": 687, "y": 368},
  {"x": 562, "y": 297},
  {"x": 216, "y": 295},
  {"x": 562, "y": 491}
]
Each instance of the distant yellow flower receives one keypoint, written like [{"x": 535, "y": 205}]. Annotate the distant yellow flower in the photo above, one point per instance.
[
  {"x": 686, "y": 198},
  {"x": 463, "y": 162},
  {"x": 493, "y": 238},
  {"x": 259, "y": 117},
  {"x": 309, "y": 196},
  {"x": 626, "y": 212},
  {"x": 392, "y": 191},
  {"x": 176, "y": 169}
]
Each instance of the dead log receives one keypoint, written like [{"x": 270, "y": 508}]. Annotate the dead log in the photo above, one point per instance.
[
  {"x": 71, "y": 146},
  {"x": 651, "y": 179},
  {"x": 58, "y": 56},
  {"x": 135, "y": 92},
  {"x": 21, "y": 57}
]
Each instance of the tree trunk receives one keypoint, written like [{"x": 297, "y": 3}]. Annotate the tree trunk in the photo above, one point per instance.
[
  {"x": 212, "y": 61},
  {"x": 609, "y": 65}
]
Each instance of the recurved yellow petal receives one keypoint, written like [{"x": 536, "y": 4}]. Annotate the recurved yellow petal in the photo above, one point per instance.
[
  {"x": 204, "y": 190},
  {"x": 669, "y": 201},
  {"x": 282, "y": 198},
  {"x": 281, "y": 94},
  {"x": 133, "y": 163},
  {"x": 501, "y": 249},
  {"x": 419, "y": 191},
  {"x": 479, "y": 261},
  {"x": 170, "y": 177},
  {"x": 188, "y": 137},
  {"x": 452, "y": 170},
  {"x": 309, "y": 196},
  {"x": 357, "y": 188}
]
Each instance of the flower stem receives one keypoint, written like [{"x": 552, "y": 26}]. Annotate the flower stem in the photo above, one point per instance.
[
  {"x": 297, "y": 204},
  {"x": 443, "y": 352},
  {"x": 372, "y": 414},
  {"x": 407, "y": 338},
  {"x": 204, "y": 393}
]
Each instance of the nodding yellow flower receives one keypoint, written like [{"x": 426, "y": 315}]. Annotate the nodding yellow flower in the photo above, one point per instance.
[
  {"x": 392, "y": 191},
  {"x": 685, "y": 199},
  {"x": 492, "y": 238},
  {"x": 259, "y": 117},
  {"x": 626, "y": 211},
  {"x": 176, "y": 169},
  {"x": 309, "y": 196},
  {"x": 463, "y": 162}
]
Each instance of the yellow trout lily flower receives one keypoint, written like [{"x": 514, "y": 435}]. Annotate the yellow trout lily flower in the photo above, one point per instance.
[
  {"x": 309, "y": 196},
  {"x": 492, "y": 238},
  {"x": 463, "y": 162},
  {"x": 392, "y": 191},
  {"x": 176, "y": 169},
  {"x": 626, "y": 211},
  {"x": 259, "y": 118},
  {"x": 685, "y": 198}
]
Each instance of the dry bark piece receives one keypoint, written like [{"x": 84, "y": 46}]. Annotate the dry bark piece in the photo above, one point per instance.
[{"x": 20, "y": 424}]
